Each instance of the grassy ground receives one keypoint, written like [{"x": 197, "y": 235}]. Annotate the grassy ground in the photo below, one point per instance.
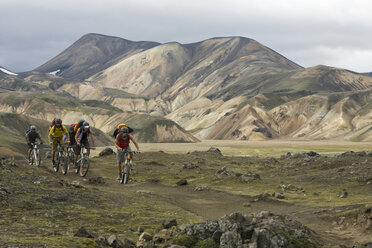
[{"x": 45, "y": 209}]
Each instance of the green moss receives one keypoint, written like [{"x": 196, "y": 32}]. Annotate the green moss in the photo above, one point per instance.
[
  {"x": 185, "y": 240},
  {"x": 208, "y": 243}
]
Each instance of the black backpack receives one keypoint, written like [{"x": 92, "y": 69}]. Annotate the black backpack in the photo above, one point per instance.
[{"x": 115, "y": 133}]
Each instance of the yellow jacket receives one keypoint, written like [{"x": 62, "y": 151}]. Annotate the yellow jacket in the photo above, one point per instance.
[{"x": 57, "y": 132}]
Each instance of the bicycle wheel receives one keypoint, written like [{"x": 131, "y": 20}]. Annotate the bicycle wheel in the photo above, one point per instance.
[
  {"x": 84, "y": 166},
  {"x": 122, "y": 174},
  {"x": 56, "y": 163},
  {"x": 37, "y": 157},
  {"x": 63, "y": 164},
  {"x": 127, "y": 173},
  {"x": 32, "y": 157}
]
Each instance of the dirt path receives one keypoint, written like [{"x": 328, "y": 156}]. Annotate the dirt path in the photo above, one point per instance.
[{"x": 213, "y": 204}]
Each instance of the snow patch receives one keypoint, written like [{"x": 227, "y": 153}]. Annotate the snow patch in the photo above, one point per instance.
[
  {"x": 8, "y": 72},
  {"x": 54, "y": 72}
]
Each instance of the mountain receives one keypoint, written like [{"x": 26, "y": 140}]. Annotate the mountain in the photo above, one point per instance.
[
  {"x": 47, "y": 104},
  {"x": 172, "y": 68},
  {"x": 368, "y": 74},
  {"x": 91, "y": 54},
  {"x": 220, "y": 88}
]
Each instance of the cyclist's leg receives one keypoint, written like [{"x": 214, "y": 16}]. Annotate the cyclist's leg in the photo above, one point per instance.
[
  {"x": 120, "y": 159},
  {"x": 29, "y": 150},
  {"x": 62, "y": 143},
  {"x": 86, "y": 144}
]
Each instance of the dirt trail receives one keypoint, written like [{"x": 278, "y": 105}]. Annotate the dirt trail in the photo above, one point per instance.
[{"x": 213, "y": 204}]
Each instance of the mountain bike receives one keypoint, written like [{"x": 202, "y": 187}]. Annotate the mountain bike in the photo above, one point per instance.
[
  {"x": 83, "y": 162},
  {"x": 70, "y": 156},
  {"x": 60, "y": 160},
  {"x": 126, "y": 169},
  {"x": 35, "y": 155}
]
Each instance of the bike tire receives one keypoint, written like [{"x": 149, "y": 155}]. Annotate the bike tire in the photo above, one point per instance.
[
  {"x": 64, "y": 165},
  {"x": 56, "y": 165},
  {"x": 37, "y": 157},
  {"x": 122, "y": 174},
  {"x": 32, "y": 157},
  {"x": 84, "y": 167},
  {"x": 127, "y": 174}
]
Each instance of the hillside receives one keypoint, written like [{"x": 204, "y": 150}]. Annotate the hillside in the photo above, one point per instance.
[
  {"x": 99, "y": 114},
  {"x": 91, "y": 54},
  {"x": 220, "y": 88},
  {"x": 12, "y": 134}
]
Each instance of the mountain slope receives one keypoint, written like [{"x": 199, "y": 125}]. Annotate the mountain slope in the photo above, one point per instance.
[
  {"x": 91, "y": 54},
  {"x": 173, "y": 69}
]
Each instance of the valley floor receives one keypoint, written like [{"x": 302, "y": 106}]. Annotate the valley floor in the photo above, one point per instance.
[{"x": 41, "y": 208}]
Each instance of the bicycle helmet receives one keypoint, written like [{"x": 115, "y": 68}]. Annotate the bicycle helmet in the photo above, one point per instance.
[
  {"x": 124, "y": 130},
  {"x": 81, "y": 122},
  {"x": 58, "y": 121},
  {"x": 86, "y": 124},
  {"x": 32, "y": 128}
]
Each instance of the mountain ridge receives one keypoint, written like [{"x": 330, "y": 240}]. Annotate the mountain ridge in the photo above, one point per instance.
[{"x": 208, "y": 87}]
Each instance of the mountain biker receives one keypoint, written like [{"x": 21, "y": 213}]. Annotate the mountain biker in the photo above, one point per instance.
[
  {"x": 122, "y": 144},
  {"x": 31, "y": 137},
  {"x": 81, "y": 137},
  {"x": 56, "y": 136}
]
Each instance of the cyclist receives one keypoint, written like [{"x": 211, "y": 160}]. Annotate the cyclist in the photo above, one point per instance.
[
  {"x": 71, "y": 132},
  {"x": 56, "y": 134},
  {"x": 31, "y": 137},
  {"x": 81, "y": 137},
  {"x": 122, "y": 144}
]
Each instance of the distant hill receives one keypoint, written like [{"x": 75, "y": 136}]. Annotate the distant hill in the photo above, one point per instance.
[{"x": 91, "y": 54}]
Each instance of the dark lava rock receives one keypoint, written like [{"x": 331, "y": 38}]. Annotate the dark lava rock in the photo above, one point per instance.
[
  {"x": 96, "y": 180},
  {"x": 113, "y": 241},
  {"x": 169, "y": 223},
  {"x": 182, "y": 182},
  {"x": 101, "y": 241},
  {"x": 129, "y": 244},
  {"x": 312, "y": 154},
  {"x": 82, "y": 232},
  {"x": 215, "y": 150},
  {"x": 366, "y": 245},
  {"x": 237, "y": 230},
  {"x": 342, "y": 194},
  {"x": 106, "y": 151},
  {"x": 190, "y": 166}
]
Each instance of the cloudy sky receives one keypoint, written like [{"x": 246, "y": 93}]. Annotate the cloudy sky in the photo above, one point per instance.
[{"x": 309, "y": 32}]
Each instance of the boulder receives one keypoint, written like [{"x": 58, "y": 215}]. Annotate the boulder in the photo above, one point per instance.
[
  {"x": 342, "y": 194},
  {"x": 215, "y": 150},
  {"x": 96, "y": 180},
  {"x": 129, "y": 244},
  {"x": 261, "y": 230},
  {"x": 169, "y": 223},
  {"x": 182, "y": 182},
  {"x": 106, "y": 151},
  {"x": 113, "y": 241},
  {"x": 101, "y": 241},
  {"x": 82, "y": 232},
  {"x": 145, "y": 236},
  {"x": 221, "y": 173}
]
